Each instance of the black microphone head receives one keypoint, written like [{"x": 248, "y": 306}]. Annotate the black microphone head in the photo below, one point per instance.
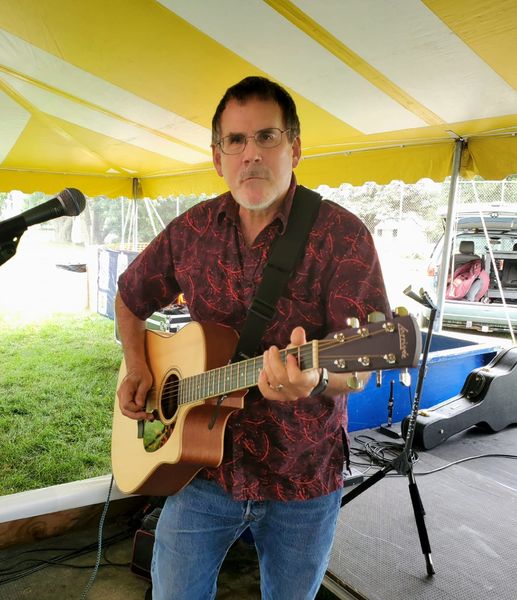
[{"x": 73, "y": 201}]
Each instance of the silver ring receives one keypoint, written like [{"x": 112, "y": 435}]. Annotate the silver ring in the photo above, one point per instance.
[{"x": 279, "y": 387}]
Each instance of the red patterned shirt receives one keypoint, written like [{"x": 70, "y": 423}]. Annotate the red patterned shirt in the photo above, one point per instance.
[{"x": 273, "y": 450}]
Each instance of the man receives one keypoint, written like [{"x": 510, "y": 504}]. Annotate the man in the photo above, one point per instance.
[{"x": 281, "y": 474}]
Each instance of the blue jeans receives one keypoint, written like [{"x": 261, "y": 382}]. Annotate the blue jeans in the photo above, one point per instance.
[{"x": 198, "y": 525}]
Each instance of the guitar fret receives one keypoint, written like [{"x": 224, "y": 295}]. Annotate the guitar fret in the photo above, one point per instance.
[
  {"x": 229, "y": 381},
  {"x": 192, "y": 388}
]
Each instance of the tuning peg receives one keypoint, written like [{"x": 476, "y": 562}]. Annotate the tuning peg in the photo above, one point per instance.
[
  {"x": 353, "y": 322},
  {"x": 401, "y": 311},
  {"x": 376, "y": 317},
  {"x": 354, "y": 383},
  {"x": 405, "y": 377}
]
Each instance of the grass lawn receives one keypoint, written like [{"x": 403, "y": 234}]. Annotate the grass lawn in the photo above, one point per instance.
[{"x": 57, "y": 388}]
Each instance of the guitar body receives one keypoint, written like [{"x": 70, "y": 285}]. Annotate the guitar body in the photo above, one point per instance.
[
  {"x": 173, "y": 450},
  {"x": 488, "y": 398}
]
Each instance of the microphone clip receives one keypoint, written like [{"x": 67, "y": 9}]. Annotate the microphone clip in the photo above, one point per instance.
[{"x": 423, "y": 298}]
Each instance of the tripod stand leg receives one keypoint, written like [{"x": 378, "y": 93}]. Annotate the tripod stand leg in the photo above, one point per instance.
[{"x": 419, "y": 513}]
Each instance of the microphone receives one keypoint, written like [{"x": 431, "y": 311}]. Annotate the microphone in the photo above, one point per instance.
[{"x": 68, "y": 203}]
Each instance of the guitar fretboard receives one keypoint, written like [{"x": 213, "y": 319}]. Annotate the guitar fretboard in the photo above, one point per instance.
[{"x": 236, "y": 376}]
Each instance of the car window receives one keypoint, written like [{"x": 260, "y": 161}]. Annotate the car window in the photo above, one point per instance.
[
  {"x": 506, "y": 244},
  {"x": 499, "y": 243},
  {"x": 479, "y": 243}
]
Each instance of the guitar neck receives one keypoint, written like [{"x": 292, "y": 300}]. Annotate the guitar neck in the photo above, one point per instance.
[
  {"x": 239, "y": 376},
  {"x": 379, "y": 345}
]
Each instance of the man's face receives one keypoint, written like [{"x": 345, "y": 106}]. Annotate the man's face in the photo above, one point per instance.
[{"x": 257, "y": 177}]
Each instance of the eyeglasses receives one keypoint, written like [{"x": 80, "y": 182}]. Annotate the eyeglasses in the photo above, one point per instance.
[{"x": 264, "y": 138}]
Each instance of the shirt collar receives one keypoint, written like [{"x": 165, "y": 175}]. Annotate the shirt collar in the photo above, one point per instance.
[{"x": 230, "y": 209}]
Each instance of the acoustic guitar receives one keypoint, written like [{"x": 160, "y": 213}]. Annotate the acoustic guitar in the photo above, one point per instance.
[{"x": 195, "y": 390}]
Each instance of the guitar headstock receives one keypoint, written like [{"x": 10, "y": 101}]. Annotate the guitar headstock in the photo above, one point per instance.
[{"x": 381, "y": 344}]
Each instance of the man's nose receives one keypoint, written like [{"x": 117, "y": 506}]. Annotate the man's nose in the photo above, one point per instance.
[{"x": 252, "y": 151}]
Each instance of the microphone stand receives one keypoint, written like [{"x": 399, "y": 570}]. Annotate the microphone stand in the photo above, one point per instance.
[{"x": 403, "y": 464}]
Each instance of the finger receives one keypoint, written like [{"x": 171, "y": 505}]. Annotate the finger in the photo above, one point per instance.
[
  {"x": 141, "y": 395},
  {"x": 270, "y": 363},
  {"x": 275, "y": 368},
  {"x": 265, "y": 388},
  {"x": 301, "y": 382},
  {"x": 128, "y": 403},
  {"x": 131, "y": 410},
  {"x": 137, "y": 416},
  {"x": 298, "y": 337},
  {"x": 294, "y": 374}
]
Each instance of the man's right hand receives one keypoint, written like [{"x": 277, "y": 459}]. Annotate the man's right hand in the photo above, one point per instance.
[{"x": 132, "y": 394}]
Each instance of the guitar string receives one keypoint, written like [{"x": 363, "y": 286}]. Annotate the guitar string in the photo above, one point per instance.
[
  {"x": 306, "y": 352},
  {"x": 171, "y": 389}
]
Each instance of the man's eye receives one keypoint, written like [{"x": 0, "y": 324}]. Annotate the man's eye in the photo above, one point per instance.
[
  {"x": 266, "y": 135},
  {"x": 236, "y": 139}
]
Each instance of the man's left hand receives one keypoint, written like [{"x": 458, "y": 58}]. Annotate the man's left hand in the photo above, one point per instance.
[{"x": 285, "y": 381}]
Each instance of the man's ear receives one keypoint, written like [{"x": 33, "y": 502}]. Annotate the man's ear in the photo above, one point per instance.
[
  {"x": 297, "y": 151},
  {"x": 216, "y": 159}
]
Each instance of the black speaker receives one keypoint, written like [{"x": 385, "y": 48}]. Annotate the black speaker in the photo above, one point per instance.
[{"x": 143, "y": 543}]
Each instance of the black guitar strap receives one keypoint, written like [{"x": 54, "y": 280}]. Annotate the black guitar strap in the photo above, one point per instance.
[{"x": 286, "y": 251}]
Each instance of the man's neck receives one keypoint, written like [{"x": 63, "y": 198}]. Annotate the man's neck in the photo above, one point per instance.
[{"x": 254, "y": 221}]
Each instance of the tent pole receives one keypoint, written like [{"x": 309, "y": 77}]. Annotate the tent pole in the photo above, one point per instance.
[
  {"x": 449, "y": 228},
  {"x": 137, "y": 193}
]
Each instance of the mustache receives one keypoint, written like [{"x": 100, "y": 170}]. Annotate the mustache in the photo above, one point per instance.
[{"x": 254, "y": 172}]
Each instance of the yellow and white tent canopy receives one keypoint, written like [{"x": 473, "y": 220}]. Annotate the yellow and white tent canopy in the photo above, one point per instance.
[{"x": 98, "y": 94}]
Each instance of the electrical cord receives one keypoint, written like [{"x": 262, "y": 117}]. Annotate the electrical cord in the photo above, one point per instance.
[
  {"x": 99, "y": 547},
  {"x": 58, "y": 563},
  {"x": 379, "y": 454},
  {"x": 462, "y": 460},
  {"x": 10, "y": 574}
]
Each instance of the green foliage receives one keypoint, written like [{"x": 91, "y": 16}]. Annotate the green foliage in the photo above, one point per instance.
[
  {"x": 110, "y": 221},
  {"x": 57, "y": 388},
  {"x": 374, "y": 203}
]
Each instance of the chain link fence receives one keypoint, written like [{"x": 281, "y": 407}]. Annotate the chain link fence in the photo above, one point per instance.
[
  {"x": 409, "y": 213},
  {"x": 406, "y": 221}
]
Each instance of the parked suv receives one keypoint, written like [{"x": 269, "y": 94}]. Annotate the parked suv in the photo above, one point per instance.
[{"x": 488, "y": 313}]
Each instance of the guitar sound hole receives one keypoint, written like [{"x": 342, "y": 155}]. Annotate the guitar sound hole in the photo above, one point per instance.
[{"x": 169, "y": 399}]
